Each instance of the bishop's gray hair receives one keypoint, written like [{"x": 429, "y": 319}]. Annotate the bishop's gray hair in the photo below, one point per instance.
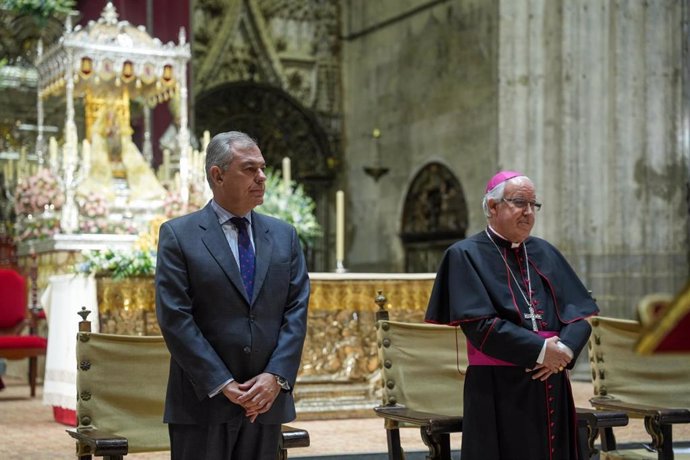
[
  {"x": 221, "y": 150},
  {"x": 496, "y": 193}
]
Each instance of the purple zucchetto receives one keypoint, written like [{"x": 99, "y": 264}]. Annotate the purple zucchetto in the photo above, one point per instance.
[{"x": 500, "y": 177}]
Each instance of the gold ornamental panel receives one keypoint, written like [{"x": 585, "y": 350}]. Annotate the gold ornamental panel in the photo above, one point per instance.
[
  {"x": 341, "y": 339},
  {"x": 127, "y": 306},
  {"x": 341, "y": 336}
]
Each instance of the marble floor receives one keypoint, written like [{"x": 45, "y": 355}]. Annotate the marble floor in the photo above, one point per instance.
[{"x": 28, "y": 431}]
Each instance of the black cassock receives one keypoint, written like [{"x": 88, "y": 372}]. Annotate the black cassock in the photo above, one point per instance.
[{"x": 483, "y": 286}]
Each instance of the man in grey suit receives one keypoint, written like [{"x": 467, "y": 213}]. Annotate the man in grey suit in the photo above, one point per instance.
[{"x": 231, "y": 301}]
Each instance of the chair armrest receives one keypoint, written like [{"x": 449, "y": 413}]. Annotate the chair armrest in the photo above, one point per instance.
[
  {"x": 94, "y": 442},
  {"x": 294, "y": 437},
  {"x": 597, "y": 419},
  {"x": 433, "y": 423},
  {"x": 658, "y": 421},
  {"x": 663, "y": 415},
  {"x": 592, "y": 423}
]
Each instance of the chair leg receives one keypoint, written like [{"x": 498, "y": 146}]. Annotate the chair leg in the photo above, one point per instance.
[
  {"x": 585, "y": 442},
  {"x": 438, "y": 444},
  {"x": 394, "y": 448},
  {"x": 607, "y": 438},
  {"x": 33, "y": 370}
]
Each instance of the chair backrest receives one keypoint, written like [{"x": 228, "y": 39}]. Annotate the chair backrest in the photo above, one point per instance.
[
  {"x": 621, "y": 373},
  {"x": 13, "y": 298},
  {"x": 121, "y": 385},
  {"x": 423, "y": 366}
]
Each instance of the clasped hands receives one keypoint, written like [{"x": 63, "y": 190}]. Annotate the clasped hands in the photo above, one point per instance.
[
  {"x": 555, "y": 360},
  {"x": 256, "y": 395}
]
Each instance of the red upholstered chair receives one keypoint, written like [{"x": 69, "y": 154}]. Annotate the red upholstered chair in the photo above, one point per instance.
[{"x": 14, "y": 318}]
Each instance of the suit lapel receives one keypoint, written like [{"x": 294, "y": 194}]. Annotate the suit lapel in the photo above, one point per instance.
[
  {"x": 264, "y": 248},
  {"x": 214, "y": 240}
]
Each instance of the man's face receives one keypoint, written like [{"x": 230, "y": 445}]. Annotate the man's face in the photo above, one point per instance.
[
  {"x": 509, "y": 220},
  {"x": 240, "y": 188}
]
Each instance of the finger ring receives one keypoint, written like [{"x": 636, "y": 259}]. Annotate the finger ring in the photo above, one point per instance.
[{"x": 560, "y": 369}]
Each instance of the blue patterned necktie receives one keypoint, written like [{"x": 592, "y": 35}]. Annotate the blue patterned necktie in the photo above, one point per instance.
[{"x": 245, "y": 254}]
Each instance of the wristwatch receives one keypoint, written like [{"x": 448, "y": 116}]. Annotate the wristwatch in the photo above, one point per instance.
[{"x": 284, "y": 385}]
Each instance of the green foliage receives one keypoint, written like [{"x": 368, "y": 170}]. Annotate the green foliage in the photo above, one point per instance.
[
  {"x": 293, "y": 206},
  {"x": 118, "y": 264},
  {"x": 40, "y": 9}
]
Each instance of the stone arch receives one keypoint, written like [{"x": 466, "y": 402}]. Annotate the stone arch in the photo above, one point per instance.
[
  {"x": 434, "y": 216},
  {"x": 279, "y": 123},
  {"x": 282, "y": 127}
]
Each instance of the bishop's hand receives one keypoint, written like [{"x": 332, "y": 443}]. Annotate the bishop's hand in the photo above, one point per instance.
[{"x": 556, "y": 358}]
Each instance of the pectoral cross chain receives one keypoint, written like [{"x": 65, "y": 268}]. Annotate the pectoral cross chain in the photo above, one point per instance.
[{"x": 534, "y": 317}]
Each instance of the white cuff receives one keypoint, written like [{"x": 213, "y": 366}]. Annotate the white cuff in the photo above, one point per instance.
[
  {"x": 218, "y": 389},
  {"x": 542, "y": 354},
  {"x": 566, "y": 348}
]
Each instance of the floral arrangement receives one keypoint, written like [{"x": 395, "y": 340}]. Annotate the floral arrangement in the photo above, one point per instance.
[
  {"x": 37, "y": 198},
  {"x": 293, "y": 206},
  {"x": 118, "y": 264},
  {"x": 94, "y": 212},
  {"x": 172, "y": 205},
  {"x": 35, "y": 192},
  {"x": 39, "y": 8},
  {"x": 40, "y": 227}
]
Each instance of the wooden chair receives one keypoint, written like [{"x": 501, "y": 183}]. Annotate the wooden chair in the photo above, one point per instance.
[
  {"x": 654, "y": 388},
  {"x": 423, "y": 370},
  {"x": 121, "y": 385},
  {"x": 15, "y": 318}
]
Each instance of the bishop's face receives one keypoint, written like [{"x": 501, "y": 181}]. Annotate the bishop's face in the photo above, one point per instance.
[
  {"x": 509, "y": 220},
  {"x": 240, "y": 188}
]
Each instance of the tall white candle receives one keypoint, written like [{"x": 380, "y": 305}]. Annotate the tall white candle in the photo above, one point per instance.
[
  {"x": 166, "y": 165},
  {"x": 339, "y": 226},
  {"x": 206, "y": 141},
  {"x": 10, "y": 171},
  {"x": 52, "y": 153},
  {"x": 86, "y": 155},
  {"x": 287, "y": 174}
]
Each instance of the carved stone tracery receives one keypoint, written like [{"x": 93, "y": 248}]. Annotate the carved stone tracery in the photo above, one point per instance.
[
  {"x": 435, "y": 215},
  {"x": 292, "y": 45},
  {"x": 272, "y": 69}
]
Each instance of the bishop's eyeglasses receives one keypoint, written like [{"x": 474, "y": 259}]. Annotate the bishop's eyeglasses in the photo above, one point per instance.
[{"x": 521, "y": 203}]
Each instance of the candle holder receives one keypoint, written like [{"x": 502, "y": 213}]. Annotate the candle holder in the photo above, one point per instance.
[
  {"x": 339, "y": 267},
  {"x": 376, "y": 171}
]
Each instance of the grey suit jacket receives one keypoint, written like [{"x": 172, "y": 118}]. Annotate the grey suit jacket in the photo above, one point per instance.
[{"x": 213, "y": 331}]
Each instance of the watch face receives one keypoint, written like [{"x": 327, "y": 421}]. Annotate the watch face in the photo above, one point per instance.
[{"x": 283, "y": 383}]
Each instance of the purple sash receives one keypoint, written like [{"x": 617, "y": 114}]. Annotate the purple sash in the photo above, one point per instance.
[{"x": 477, "y": 358}]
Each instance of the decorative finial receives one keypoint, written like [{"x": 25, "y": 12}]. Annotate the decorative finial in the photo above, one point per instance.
[
  {"x": 84, "y": 313},
  {"x": 109, "y": 14},
  {"x": 182, "y": 36},
  {"x": 380, "y": 300}
]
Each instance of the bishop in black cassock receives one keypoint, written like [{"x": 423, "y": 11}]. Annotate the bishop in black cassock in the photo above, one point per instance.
[{"x": 523, "y": 310}]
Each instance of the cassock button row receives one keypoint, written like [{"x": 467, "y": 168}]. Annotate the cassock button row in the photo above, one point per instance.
[{"x": 247, "y": 350}]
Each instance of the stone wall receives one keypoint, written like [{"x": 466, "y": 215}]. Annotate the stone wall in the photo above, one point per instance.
[
  {"x": 424, "y": 73},
  {"x": 585, "y": 97},
  {"x": 591, "y": 108}
]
